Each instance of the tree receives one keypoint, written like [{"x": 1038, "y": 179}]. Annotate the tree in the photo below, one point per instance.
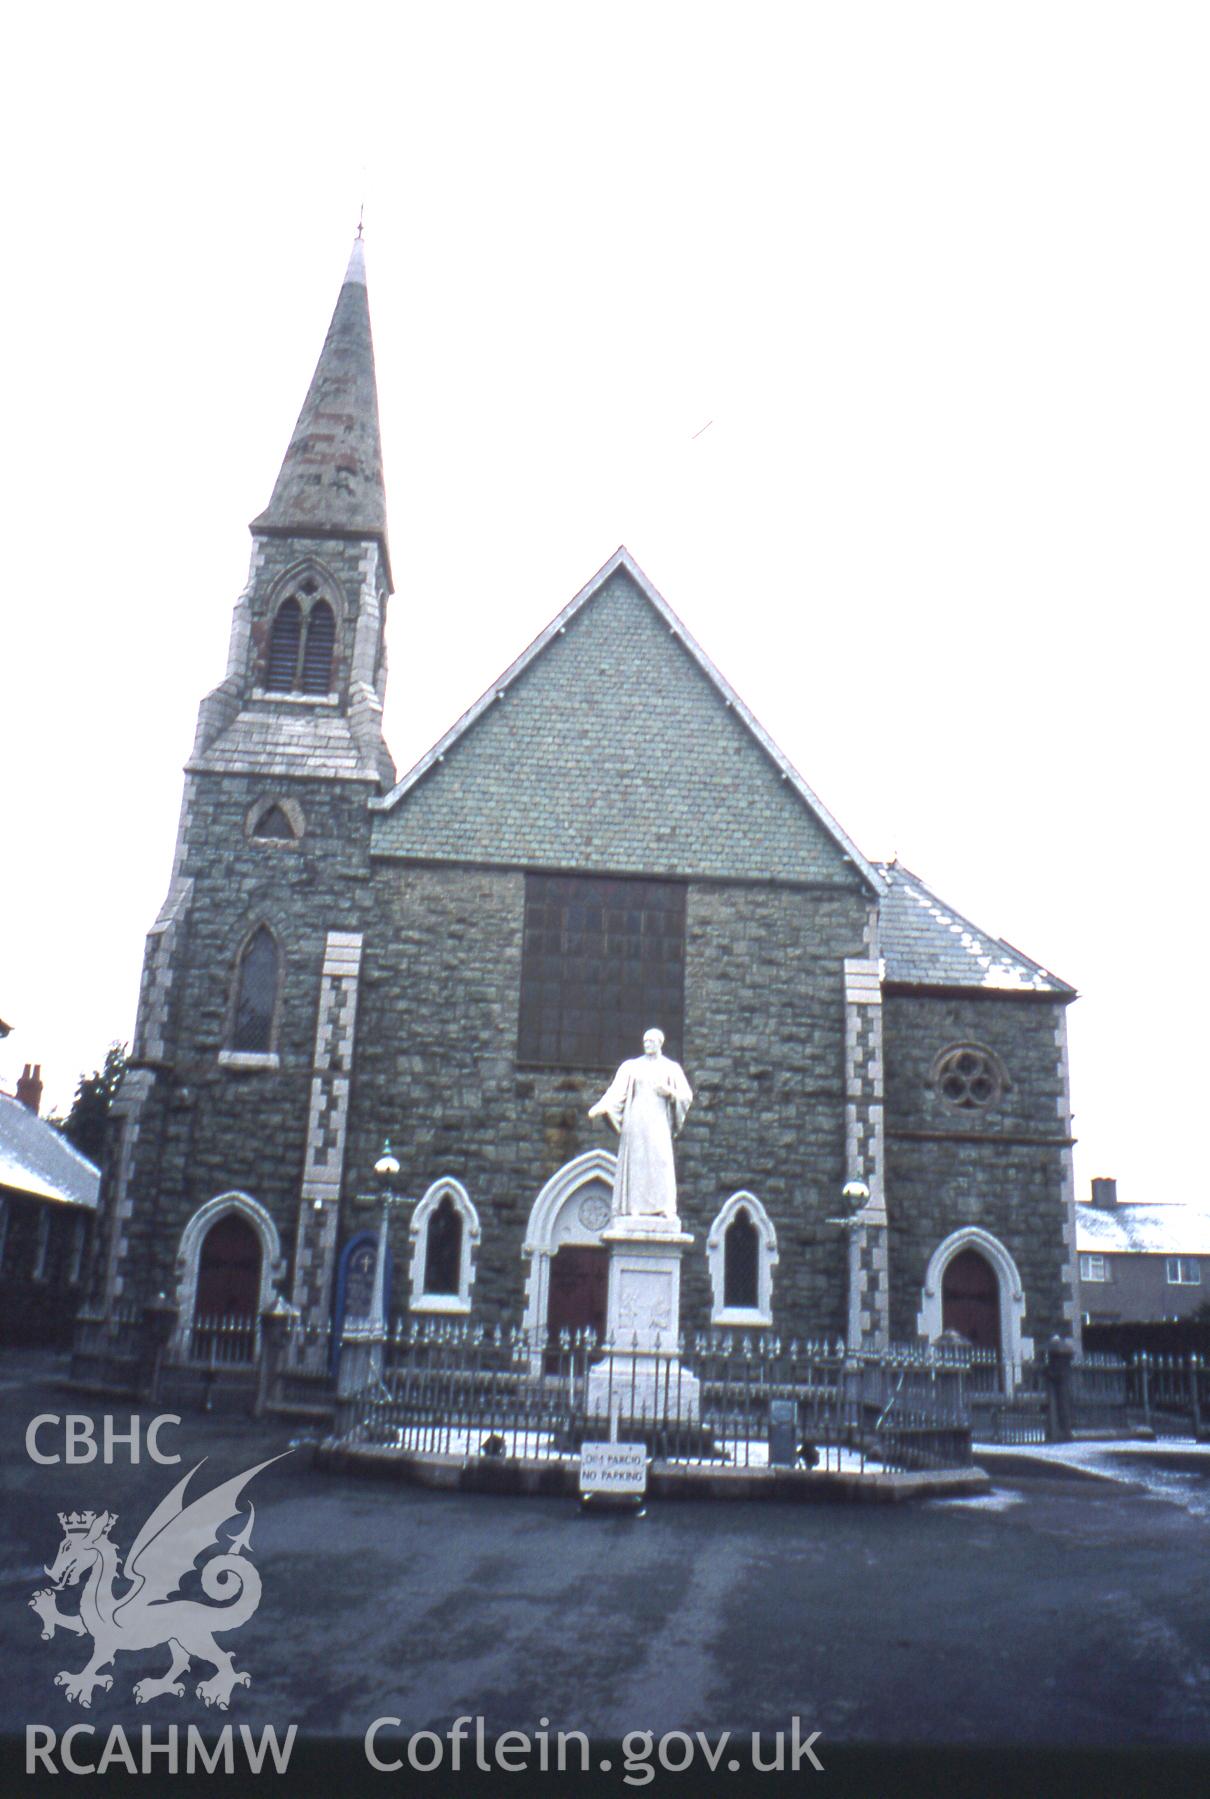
[{"x": 85, "y": 1123}]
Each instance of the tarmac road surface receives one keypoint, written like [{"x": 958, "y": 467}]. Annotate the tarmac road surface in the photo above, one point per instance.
[{"x": 1058, "y": 1611}]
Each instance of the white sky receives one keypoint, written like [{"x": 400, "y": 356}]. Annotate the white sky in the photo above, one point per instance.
[{"x": 936, "y": 275}]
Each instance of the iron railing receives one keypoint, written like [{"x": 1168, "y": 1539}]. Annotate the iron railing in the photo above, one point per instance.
[
  {"x": 452, "y": 1389},
  {"x": 450, "y": 1386}
]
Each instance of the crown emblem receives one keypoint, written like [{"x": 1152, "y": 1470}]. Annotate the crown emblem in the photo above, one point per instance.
[{"x": 78, "y": 1524}]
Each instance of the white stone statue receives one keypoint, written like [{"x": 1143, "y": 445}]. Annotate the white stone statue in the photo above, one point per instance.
[{"x": 646, "y": 1102}]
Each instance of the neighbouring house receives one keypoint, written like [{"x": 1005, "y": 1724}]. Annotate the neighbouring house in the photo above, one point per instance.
[
  {"x": 48, "y": 1199},
  {"x": 458, "y": 960},
  {"x": 1142, "y": 1261}
]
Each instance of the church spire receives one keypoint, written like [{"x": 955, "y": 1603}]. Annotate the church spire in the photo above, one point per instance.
[{"x": 330, "y": 483}]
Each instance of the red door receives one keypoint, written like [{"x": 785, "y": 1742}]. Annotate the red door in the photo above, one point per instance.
[
  {"x": 228, "y": 1277},
  {"x": 970, "y": 1299},
  {"x": 579, "y": 1294}
]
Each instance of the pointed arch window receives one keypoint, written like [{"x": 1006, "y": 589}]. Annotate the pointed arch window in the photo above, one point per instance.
[
  {"x": 317, "y": 655},
  {"x": 274, "y": 824},
  {"x": 741, "y": 1262},
  {"x": 302, "y": 641},
  {"x": 284, "y": 644},
  {"x": 742, "y": 1253},
  {"x": 274, "y": 818},
  {"x": 445, "y": 1235},
  {"x": 256, "y": 994},
  {"x": 443, "y": 1249}
]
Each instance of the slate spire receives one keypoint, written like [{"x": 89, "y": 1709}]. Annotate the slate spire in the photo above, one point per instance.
[{"x": 331, "y": 478}]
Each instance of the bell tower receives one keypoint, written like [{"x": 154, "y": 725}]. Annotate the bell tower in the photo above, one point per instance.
[
  {"x": 306, "y": 670},
  {"x": 238, "y": 1084}
]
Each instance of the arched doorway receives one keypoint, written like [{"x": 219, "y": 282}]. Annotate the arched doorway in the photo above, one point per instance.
[
  {"x": 229, "y": 1261},
  {"x": 228, "y": 1291},
  {"x": 955, "y": 1284},
  {"x": 568, "y": 1283},
  {"x": 970, "y": 1299}
]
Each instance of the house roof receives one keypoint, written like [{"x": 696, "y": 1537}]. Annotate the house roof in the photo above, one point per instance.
[
  {"x": 37, "y": 1160},
  {"x": 1144, "y": 1227},
  {"x": 926, "y": 943},
  {"x": 622, "y": 559}
]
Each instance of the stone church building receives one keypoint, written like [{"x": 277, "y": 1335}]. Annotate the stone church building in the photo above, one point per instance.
[{"x": 458, "y": 960}]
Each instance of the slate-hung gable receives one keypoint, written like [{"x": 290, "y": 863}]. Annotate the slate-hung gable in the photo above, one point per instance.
[{"x": 458, "y": 959}]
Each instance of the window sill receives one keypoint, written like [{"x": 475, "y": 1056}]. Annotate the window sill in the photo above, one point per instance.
[
  {"x": 249, "y": 1059},
  {"x": 448, "y": 1303},
  {"x": 742, "y": 1315},
  {"x": 287, "y": 698}
]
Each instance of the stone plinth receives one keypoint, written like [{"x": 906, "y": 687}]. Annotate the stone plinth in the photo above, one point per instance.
[{"x": 642, "y": 1375}]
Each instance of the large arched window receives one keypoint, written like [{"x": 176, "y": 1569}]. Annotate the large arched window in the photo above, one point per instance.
[
  {"x": 317, "y": 655},
  {"x": 256, "y": 994}
]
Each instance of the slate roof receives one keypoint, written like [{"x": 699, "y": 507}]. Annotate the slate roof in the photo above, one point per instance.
[
  {"x": 331, "y": 477},
  {"x": 622, "y": 559},
  {"x": 926, "y": 943},
  {"x": 319, "y": 744},
  {"x": 39, "y": 1161},
  {"x": 1146, "y": 1227}
]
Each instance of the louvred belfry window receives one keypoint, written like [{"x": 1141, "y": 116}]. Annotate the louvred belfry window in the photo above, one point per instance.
[
  {"x": 301, "y": 645},
  {"x": 256, "y": 996},
  {"x": 317, "y": 657},
  {"x": 603, "y": 961},
  {"x": 284, "y": 646}
]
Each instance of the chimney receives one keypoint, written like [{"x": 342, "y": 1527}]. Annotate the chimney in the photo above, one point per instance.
[
  {"x": 1104, "y": 1193},
  {"x": 29, "y": 1087}
]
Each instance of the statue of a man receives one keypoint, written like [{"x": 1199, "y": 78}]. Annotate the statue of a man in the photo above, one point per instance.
[{"x": 646, "y": 1102}]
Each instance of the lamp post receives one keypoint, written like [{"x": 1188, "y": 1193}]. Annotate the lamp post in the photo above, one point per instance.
[
  {"x": 386, "y": 1170},
  {"x": 363, "y": 1346},
  {"x": 856, "y": 1196}
]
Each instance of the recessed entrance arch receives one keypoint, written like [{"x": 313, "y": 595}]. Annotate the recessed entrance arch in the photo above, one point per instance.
[
  {"x": 228, "y": 1273},
  {"x": 967, "y": 1293},
  {"x": 227, "y": 1263},
  {"x": 567, "y": 1283}
]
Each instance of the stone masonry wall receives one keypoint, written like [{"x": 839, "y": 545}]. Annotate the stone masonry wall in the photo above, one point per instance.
[
  {"x": 764, "y": 1051},
  {"x": 204, "y": 1128},
  {"x": 1003, "y": 1168}
]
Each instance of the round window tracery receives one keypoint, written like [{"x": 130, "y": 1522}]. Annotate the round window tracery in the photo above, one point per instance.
[{"x": 968, "y": 1076}]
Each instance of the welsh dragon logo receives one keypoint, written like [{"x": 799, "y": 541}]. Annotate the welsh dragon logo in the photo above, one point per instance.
[{"x": 162, "y": 1555}]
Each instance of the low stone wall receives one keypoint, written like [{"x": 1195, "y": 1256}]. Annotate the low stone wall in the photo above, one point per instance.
[{"x": 504, "y": 1475}]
